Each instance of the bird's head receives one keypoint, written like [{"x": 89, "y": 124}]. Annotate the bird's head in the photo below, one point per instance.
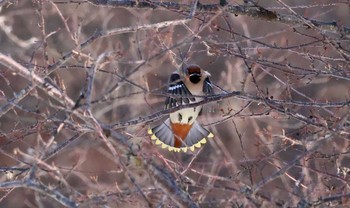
[{"x": 193, "y": 73}]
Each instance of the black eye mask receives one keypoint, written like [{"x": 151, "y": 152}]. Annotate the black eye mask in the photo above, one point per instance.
[{"x": 195, "y": 78}]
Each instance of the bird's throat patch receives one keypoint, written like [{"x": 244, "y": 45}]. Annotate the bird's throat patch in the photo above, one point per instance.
[{"x": 180, "y": 133}]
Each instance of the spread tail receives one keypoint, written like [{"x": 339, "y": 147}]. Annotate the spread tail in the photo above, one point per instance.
[{"x": 163, "y": 135}]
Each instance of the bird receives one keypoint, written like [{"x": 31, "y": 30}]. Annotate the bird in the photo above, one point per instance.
[{"x": 181, "y": 131}]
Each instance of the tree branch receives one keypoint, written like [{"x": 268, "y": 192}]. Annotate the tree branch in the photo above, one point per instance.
[
  {"x": 41, "y": 189},
  {"x": 254, "y": 11}
]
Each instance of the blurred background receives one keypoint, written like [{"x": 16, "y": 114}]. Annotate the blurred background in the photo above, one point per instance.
[{"x": 295, "y": 64}]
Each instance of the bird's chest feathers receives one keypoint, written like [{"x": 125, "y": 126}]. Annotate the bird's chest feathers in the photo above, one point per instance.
[
  {"x": 189, "y": 115},
  {"x": 186, "y": 115},
  {"x": 195, "y": 89}
]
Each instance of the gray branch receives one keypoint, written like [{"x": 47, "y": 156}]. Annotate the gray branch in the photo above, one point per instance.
[{"x": 254, "y": 11}]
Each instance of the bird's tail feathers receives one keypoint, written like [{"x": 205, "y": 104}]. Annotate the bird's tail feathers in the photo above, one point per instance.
[{"x": 163, "y": 135}]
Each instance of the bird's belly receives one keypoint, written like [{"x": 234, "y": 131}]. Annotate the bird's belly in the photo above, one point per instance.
[{"x": 186, "y": 115}]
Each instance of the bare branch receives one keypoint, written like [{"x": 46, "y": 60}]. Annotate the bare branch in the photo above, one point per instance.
[
  {"x": 54, "y": 194},
  {"x": 254, "y": 11}
]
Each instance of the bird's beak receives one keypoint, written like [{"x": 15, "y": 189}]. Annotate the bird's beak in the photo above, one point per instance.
[{"x": 207, "y": 73}]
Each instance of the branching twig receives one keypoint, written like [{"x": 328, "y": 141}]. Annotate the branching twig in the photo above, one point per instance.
[
  {"x": 65, "y": 201},
  {"x": 248, "y": 10}
]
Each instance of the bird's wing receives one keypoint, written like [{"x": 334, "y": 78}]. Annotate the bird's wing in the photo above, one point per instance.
[
  {"x": 208, "y": 87},
  {"x": 179, "y": 90}
]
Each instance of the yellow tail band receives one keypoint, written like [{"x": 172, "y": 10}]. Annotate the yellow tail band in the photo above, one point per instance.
[{"x": 175, "y": 149}]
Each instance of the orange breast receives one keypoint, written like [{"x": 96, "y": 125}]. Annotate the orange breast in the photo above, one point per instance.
[{"x": 180, "y": 132}]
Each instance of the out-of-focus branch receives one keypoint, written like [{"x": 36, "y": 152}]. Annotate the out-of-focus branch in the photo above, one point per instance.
[
  {"x": 167, "y": 183},
  {"x": 48, "y": 87},
  {"x": 58, "y": 95},
  {"x": 322, "y": 200},
  {"x": 273, "y": 104},
  {"x": 254, "y": 11},
  {"x": 3, "y": 2},
  {"x": 162, "y": 177},
  {"x": 40, "y": 188},
  {"x": 314, "y": 145},
  {"x": 39, "y": 81},
  {"x": 101, "y": 34},
  {"x": 162, "y": 113},
  {"x": 8, "y": 30}
]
